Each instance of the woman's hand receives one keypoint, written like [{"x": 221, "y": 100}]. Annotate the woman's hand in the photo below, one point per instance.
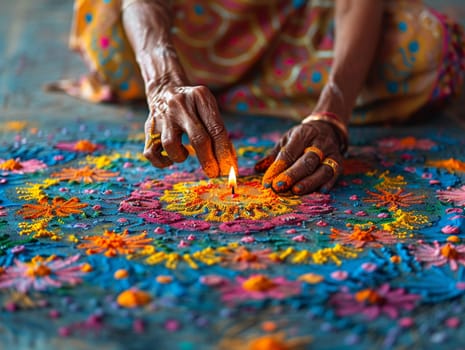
[
  {"x": 192, "y": 110},
  {"x": 175, "y": 106},
  {"x": 306, "y": 159}
]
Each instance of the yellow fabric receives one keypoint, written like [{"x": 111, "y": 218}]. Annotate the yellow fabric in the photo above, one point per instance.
[{"x": 273, "y": 57}]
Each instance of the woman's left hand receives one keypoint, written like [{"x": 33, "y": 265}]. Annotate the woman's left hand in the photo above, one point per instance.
[{"x": 307, "y": 158}]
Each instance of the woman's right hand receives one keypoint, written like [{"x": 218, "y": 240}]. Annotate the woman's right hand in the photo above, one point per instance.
[
  {"x": 175, "y": 106},
  {"x": 192, "y": 110}
]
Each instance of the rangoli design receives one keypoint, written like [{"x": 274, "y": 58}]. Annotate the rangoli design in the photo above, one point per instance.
[{"x": 94, "y": 241}]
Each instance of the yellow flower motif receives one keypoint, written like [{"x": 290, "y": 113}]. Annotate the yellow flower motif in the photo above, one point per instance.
[
  {"x": 334, "y": 254},
  {"x": 35, "y": 192},
  {"x": 38, "y": 229},
  {"x": 101, "y": 162},
  {"x": 390, "y": 182},
  {"x": 404, "y": 222},
  {"x": 171, "y": 260}
]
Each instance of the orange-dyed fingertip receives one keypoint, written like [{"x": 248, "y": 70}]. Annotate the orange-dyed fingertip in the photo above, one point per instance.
[
  {"x": 282, "y": 182},
  {"x": 274, "y": 170}
]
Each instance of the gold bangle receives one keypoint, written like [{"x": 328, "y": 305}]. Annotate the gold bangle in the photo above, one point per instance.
[{"x": 341, "y": 127}]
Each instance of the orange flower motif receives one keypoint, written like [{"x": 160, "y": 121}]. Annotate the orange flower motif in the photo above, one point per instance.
[
  {"x": 11, "y": 164},
  {"x": 85, "y": 174},
  {"x": 393, "y": 200},
  {"x": 57, "y": 207},
  {"x": 241, "y": 258},
  {"x": 451, "y": 165},
  {"x": 112, "y": 244},
  {"x": 79, "y": 146},
  {"x": 360, "y": 237}
]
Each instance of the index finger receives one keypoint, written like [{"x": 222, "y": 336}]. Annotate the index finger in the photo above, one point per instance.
[
  {"x": 202, "y": 144},
  {"x": 209, "y": 113}
]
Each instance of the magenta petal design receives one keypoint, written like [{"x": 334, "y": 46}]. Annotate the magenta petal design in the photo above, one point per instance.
[
  {"x": 136, "y": 204},
  {"x": 439, "y": 255},
  {"x": 288, "y": 219},
  {"x": 181, "y": 176},
  {"x": 160, "y": 216},
  {"x": 374, "y": 302},
  {"x": 258, "y": 287},
  {"x": 455, "y": 195},
  {"x": 245, "y": 226},
  {"x": 191, "y": 225},
  {"x": 21, "y": 167},
  {"x": 41, "y": 274}
]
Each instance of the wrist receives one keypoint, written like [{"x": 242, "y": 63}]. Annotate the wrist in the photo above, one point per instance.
[
  {"x": 338, "y": 125},
  {"x": 161, "y": 69},
  {"x": 332, "y": 99}
]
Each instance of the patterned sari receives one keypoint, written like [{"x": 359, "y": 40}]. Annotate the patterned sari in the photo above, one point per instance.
[{"x": 273, "y": 57}]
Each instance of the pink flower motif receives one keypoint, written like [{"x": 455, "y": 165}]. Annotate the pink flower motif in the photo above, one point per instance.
[
  {"x": 315, "y": 204},
  {"x": 42, "y": 273},
  {"x": 257, "y": 287},
  {"x": 16, "y": 166},
  {"x": 181, "y": 176},
  {"x": 84, "y": 146},
  {"x": 160, "y": 216},
  {"x": 288, "y": 219},
  {"x": 156, "y": 186},
  {"x": 374, "y": 302},
  {"x": 439, "y": 255},
  {"x": 316, "y": 198},
  {"x": 191, "y": 225},
  {"x": 245, "y": 226},
  {"x": 137, "y": 204},
  {"x": 455, "y": 195},
  {"x": 3, "y": 211},
  {"x": 144, "y": 194}
]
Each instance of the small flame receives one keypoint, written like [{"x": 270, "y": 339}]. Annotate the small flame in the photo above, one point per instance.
[{"x": 232, "y": 179}]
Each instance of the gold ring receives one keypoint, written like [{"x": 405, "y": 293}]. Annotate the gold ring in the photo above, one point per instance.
[
  {"x": 155, "y": 136},
  {"x": 315, "y": 150},
  {"x": 153, "y": 140},
  {"x": 332, "y": 164}
]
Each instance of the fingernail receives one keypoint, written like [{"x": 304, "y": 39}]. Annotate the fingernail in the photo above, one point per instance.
[
  {"x": 267, "y": 185},
  {"x": 297, "y": 189}
]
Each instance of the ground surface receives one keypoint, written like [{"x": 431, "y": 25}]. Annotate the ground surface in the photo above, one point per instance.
[{"x": 318, "y": 266}]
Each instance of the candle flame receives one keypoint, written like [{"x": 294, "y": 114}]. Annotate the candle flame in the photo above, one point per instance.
[{"x": 232, "y": 179}]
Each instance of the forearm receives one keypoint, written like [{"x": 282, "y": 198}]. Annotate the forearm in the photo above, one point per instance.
[
  {"x": 357, "y": 33},
  {"x": 147, "y": 25}
]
